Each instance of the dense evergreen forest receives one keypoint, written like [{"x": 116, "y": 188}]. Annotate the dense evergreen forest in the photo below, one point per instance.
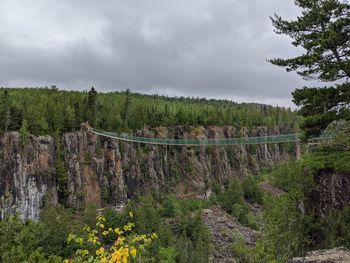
[{"x": 49, "y": 110}]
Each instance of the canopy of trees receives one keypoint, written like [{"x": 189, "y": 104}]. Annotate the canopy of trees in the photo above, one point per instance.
[
  {"x": 323, "y": 30},
  {"x": 49, "y": 110}
]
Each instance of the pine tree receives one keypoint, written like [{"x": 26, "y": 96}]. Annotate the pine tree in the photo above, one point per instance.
[
  {"x": 77, "y": 115},
  {"x": 16, "y": 118},
  {"x": 5, "y": 111},
  {"x": 126, "y": 107},
  {"x": 92, "y": 106},
  {"x": 24, "y": 133},
  {"x": 323, "y": 31}
]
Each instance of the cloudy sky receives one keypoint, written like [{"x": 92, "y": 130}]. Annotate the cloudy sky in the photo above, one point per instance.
[{"x": 204, "y": 48}]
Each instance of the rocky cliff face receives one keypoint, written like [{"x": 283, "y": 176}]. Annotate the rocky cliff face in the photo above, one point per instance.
[
  {"x": 26, "y": 174},
  {"x": 225, "y": 230},
  {"x": 106, "y": 172},
  {"x": 336, "y": 255},
  {"x": 332, "y": 193}
]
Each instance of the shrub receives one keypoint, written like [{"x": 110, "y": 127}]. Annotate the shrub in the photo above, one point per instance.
[
  {"x": 252, "y": 192},
  {"x": 125, "y": 246},
  {"x": 167, "y": 254}
]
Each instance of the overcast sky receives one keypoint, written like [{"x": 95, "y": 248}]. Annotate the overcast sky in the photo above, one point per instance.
[{"x": 204, "y": 48}]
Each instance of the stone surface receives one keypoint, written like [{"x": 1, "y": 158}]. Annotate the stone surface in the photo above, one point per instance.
[
  {"x": 224, "y": 229},
  {"x": 336, "y": 255},
  {"x": 26, "y": 175},
  {"x": 332, "y": 193},
  {"x": 107, "y": 172}
]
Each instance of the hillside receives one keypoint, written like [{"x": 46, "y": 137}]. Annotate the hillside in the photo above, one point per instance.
[{"x": 49, "y": 110}]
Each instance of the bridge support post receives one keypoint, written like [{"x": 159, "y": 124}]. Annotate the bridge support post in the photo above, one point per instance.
[{"x": 298, "y": 150}]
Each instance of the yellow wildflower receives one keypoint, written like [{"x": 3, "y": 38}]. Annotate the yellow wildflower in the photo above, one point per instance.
[
  {"x": 116, "y": 255},
  {"x": 100, "y": 251},
  {"x": 118, "y": 231},
  {"x": 133, "y": 252}
]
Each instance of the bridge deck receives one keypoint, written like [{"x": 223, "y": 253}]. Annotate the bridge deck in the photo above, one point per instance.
[{"x": 281, "y": 138}]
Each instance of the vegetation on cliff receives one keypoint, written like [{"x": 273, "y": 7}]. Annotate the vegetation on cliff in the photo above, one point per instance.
[{"x": 292, "y": 223}]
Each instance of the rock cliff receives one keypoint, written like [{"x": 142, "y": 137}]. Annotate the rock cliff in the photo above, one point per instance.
[
  {"x": 27, "y": 174},
  {"x": 336, "y": 255},
  {"x": 332, "y": 193},
  {"x": 106, "y": 172},
  {"x": 224, "y": 230}
]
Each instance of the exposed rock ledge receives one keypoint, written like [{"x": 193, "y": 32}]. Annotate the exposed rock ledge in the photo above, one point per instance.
[
  {"x": 336, "y": 255},
  {"x": 106, "y": 172},
  {"x": 224, "y": 230}
]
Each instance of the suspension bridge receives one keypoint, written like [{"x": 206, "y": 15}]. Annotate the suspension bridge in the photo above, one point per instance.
[
  {"x": 254, "y": 140},
  {"x": 270, "y": 139}
]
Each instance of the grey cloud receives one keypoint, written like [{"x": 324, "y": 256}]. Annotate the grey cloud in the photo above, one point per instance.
[{"x": 205, "y": 48}]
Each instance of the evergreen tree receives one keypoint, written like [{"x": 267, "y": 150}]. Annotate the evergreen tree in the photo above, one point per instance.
[
  {"x": 77, "y": 115},
  {"x": 5, "y": 111},
  {"x": 323, "y": 31},
  {"x": 16, "y": 118},
  {"x": 50, "y": 110},
  {"x": 69, "y": 119},
  {"x": 92, "y": 106},
  {"x": 126, "y": 107},
  {"x": 24, "y": 133}
]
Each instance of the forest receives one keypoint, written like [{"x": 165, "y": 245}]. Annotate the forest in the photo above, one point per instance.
[{"x": 50, "y": 110}]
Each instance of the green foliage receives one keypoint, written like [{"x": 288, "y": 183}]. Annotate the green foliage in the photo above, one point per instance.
[
  {"x": 61, "y": 171},
  {"x": 241, "y": 251},
  {"x": 232, "y": 200},
  {"x": 232, "y": 196},
  {"x": 10, "y": 230},
  {"x": 328, "y": 157},
  {"x": 182, "y": 233},
  {"x": 5, "y": 116},
  {"x": 322, "y": 106},
  {"x": 323, "y": 31},
  {"x": 167, "y": 254},
  {"x": 49, "y": 110},
  {"x": 87, "y": 158},
  {"x": 287, "y": 230},
  {"x": 43, "y": 241},
  {"x": 335, "y": 229},
  {"x": 252, "y": 192},
  {"x": 99, "y": 150},
  {"x": 24, "y": 133},
  {"x": 290, "y": 177}
]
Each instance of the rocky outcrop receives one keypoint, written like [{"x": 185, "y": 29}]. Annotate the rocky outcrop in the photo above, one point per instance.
[
  {"x": 107, "y": 172},
  {"x": 224, "y": 230},
  {"x": 337, "y": 255},
  {"x": 192, "y": 171},
  {"x": 26, "y": 174},
  {"x": 332, "y": 193},
  {"x": 94, "y": 168}
]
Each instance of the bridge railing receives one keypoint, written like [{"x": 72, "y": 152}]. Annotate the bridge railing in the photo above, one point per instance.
[{"x": 282, "y": 138}]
